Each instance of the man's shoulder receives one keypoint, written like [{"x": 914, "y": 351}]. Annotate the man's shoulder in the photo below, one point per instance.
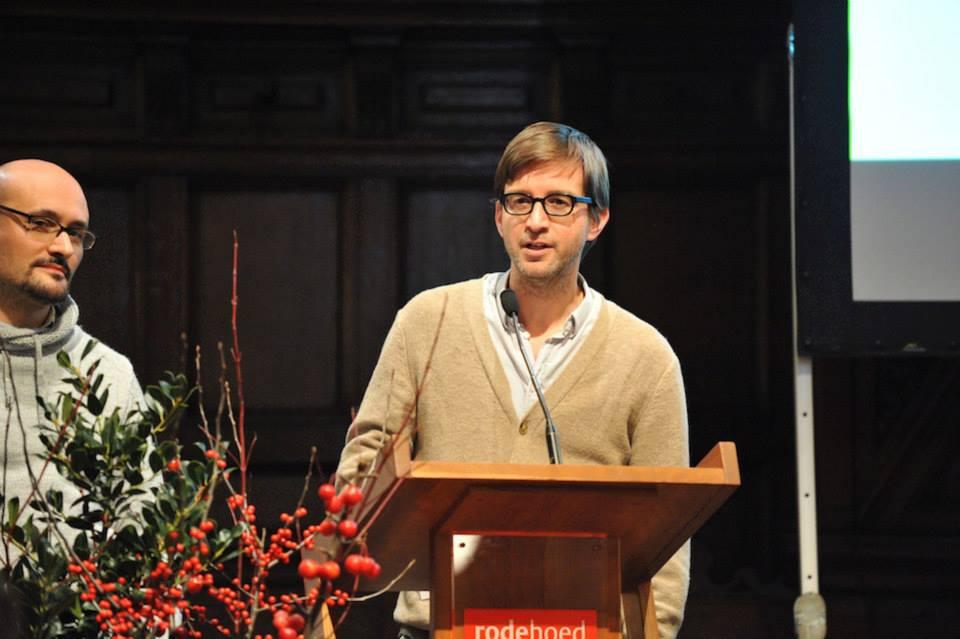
[
  {"x": 627, "y": 328},
  {"x": 452, "y": 296},
  {"x": 111, "y": 360}
]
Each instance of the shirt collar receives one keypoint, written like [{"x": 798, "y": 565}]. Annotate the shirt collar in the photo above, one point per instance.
[{"x": 576, "y": 319}]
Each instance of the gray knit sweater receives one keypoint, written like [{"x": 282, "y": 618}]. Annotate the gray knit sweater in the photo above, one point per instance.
[
  {"x": 28, "y": 368},
  {"x": 619, "y": 401}
]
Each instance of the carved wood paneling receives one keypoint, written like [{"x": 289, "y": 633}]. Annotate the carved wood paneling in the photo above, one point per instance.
[
  {"x": 164, "y": 245},
  {"x": 371, "y": 278},
  {"x": 60, "y": 87},
  {"x": 104, "y": 286},
  {"x": 450, "y": 236},
  {"x": 288, "y": 282},
  {"x": 265, "y": 92}
]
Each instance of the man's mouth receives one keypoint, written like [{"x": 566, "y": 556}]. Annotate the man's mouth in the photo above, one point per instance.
[
  {"x": 55, "y": 265},
  {"x": 536, "y": 246}
]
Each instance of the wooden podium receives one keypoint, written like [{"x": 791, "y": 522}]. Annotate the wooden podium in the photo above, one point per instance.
[{"x": 548, "y": 537}]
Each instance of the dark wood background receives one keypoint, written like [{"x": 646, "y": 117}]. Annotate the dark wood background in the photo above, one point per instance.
[{"x": 352, "y": 146}]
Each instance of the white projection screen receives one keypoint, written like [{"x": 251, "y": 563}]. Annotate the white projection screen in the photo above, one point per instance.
[
  {"x": 904, "y": 106},
  {"x": 876, "y": 130}
]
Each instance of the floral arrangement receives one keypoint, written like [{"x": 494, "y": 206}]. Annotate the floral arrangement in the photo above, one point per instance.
[{"x": 139, "y": 555}]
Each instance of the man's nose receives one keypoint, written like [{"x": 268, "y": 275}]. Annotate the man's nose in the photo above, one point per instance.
[
  {"x": 62, "y": 245},
  {"x": 538, "y": 217}
]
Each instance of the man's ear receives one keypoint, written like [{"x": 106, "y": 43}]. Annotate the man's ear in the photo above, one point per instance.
[{"x": 597, "y": 224}]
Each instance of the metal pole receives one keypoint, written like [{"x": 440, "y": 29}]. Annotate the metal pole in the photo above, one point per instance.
[{"x": 809, "y": 609}]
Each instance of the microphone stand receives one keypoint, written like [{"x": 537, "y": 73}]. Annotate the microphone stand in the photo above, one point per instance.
[{"x": 511, "y": 307}]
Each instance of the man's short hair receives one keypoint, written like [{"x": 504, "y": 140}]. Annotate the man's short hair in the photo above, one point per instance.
[{"x": 550, "y": 142}]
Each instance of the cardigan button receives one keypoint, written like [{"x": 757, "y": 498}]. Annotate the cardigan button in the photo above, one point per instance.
[{"x": 523, "y": 428}]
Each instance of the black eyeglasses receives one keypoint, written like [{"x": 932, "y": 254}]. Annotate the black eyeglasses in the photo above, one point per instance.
[
  {"x": 554, "y": 204},
  {"x": 49, "y": 226}
]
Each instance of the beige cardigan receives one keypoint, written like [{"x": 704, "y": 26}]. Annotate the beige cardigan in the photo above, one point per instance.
[{"x": 619, "y": 401}]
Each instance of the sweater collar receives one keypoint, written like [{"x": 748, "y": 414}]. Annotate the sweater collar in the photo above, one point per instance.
[{"x": 51, "y": 336}]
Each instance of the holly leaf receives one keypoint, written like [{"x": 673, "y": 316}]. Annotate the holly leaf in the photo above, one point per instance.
[{"x": 91, "y": 344}]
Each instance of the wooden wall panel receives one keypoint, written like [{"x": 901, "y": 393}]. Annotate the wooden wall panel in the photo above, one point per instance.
[
  {"x": 104, "y": 284},
  {"x": 450, "y": 236},
  {"x": 265, "y": 92},
  {"x": 703, "y": 237},
  {"x": 288, "y": 290},
  {"x": 58, "y": 87}
]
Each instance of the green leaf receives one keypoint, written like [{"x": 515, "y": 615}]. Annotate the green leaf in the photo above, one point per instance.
[
  {"x": 13, "y": 509},
  {"x": 66, "y": 408},
  {"x": 168, "y": 449},
  {"x": 90, "y": 345},
  {"x": 32, "y": 532},
  {"x": 197, "y": 472},
  {"x": 94, "y": 405},
  {"x": 167, "y": 508},
  {"x": 156, "y": 461},
  {"x": 63, "y": 359},
  {"x": 150, "y": 519},
  {"x": 55, "y": 499},
  {"x": 79, "y": 523},
  {"x": 81, "y": 547},
  {"x": 80, "y": 460}
]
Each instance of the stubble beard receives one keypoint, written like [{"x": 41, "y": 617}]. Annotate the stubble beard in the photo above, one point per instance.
[
  {"x": 44, "y": 294},
  {"x": 544, "y": 278},
  {"x": 33, "y": 287}
]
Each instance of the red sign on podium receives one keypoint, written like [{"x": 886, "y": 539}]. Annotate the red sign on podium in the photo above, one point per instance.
[{"x": 523, "y": 623}]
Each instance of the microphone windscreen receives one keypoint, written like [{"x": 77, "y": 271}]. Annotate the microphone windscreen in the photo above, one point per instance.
[{"x": 509, "y": 302}]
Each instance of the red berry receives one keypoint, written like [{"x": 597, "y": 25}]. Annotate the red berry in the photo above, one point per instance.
[
  {"x": 297, "y": 622},
  {"x": 281, "y": 619},
  {"x": 287, "y": 633},
  {"x": 372, "y": 570},
  {"x": 347, "y": 528},
  {"x": 173, "y": 465},
  {"x": 195, "y": 584},
  {"x": 309, "y": 569},
  {"x": 352, "y": 495},
  {"x": 330, "y": 570},
  {"x": 335, "y": 504},
  {"x": 207, "y": 525},
  {"x": 354, "y": 564},
  {"x": 326, "y": 491},
  {"x": 212, "y": 454},
  {"x": 326, "y": 528}
]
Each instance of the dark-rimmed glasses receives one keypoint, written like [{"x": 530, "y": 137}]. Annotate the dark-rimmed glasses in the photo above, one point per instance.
[
  {"x": 554, "y": 204},
  {"x": 49, "y": 226}
]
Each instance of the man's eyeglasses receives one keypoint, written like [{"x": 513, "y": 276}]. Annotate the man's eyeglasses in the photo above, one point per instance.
[
  {"x": 555, "y": 204},
  {"x": 49, "y": 226}
]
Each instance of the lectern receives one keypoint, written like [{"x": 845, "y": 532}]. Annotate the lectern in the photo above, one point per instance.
[{"x": 514, "y": 551}]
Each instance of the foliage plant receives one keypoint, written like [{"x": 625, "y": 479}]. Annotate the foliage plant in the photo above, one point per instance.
[{"x": 139, "y": 554}]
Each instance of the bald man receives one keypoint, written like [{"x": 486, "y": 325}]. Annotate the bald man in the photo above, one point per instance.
[{"x": 44, "y": 235}]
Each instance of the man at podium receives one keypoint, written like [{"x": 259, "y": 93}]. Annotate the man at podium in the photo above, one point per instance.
[{"x": 452, "y": 373}]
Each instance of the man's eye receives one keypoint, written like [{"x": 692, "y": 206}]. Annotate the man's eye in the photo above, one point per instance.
[
  {"x": 43, "y": 224},
  {"x": 520, "y": 200},
  {"x": 558, "y": 201},
  {"x": 75, "y": 233}
]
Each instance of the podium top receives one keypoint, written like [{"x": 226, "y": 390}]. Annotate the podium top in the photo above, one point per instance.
[{"x": 652, "y": 511}]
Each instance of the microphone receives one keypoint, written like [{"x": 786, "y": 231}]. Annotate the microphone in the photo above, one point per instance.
[{"x": 511, "y": 306}]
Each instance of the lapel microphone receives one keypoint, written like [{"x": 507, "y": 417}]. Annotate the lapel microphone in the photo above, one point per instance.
[{"x": 511, "y": 306}]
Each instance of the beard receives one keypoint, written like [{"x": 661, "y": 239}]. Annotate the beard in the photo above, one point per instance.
[
  {"x": 39, "y": 290},
  {"x": 544, "y": 275},
  {"x": 45, "y": 294}
]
